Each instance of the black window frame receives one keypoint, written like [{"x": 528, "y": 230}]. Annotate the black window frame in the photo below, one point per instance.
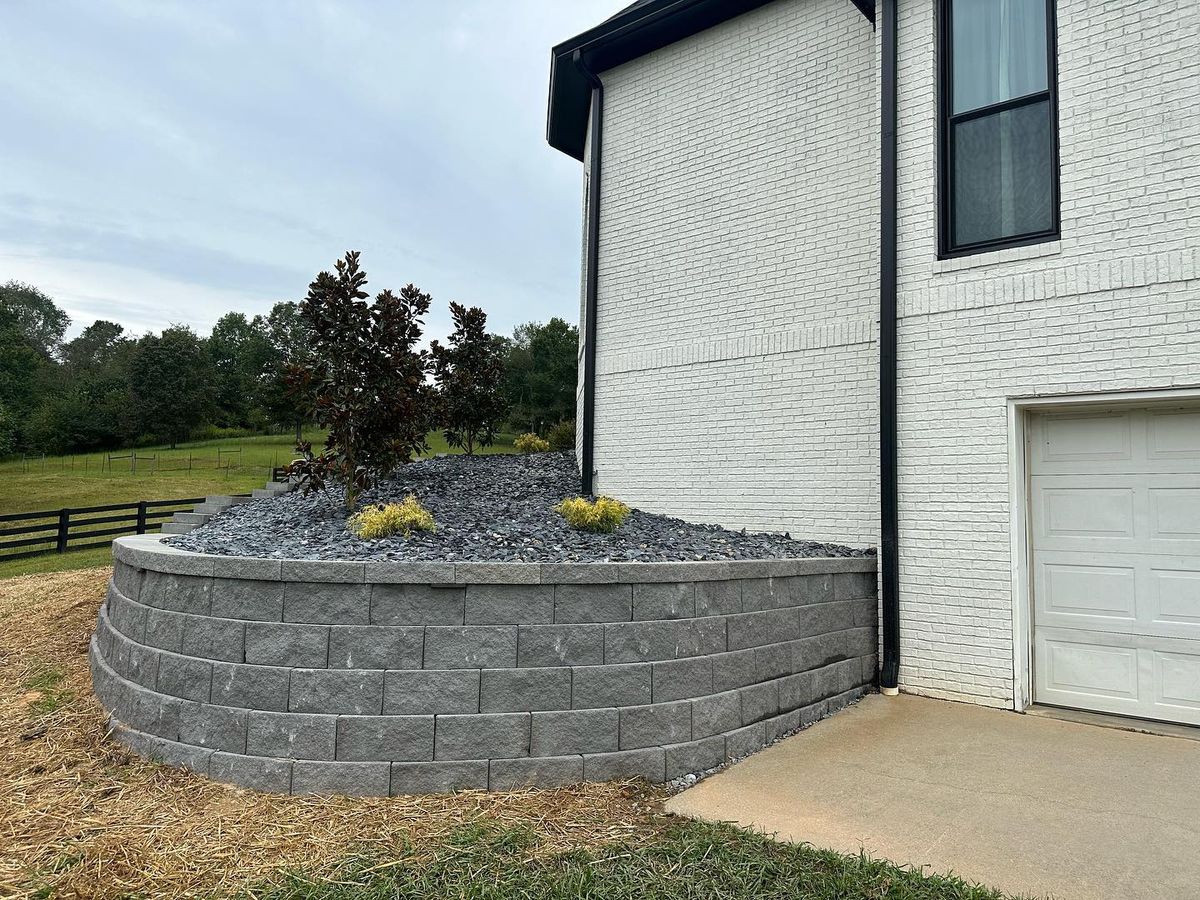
[{"x": 946, "y": 119}]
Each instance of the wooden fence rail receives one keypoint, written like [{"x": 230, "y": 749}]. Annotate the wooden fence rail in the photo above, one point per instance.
[{"x": 60, "y": 530}]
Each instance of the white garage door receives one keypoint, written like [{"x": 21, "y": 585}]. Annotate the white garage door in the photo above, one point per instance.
[{"x": 1115, "y": 503}]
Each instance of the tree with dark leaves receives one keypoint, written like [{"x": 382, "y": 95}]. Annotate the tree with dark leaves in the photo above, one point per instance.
[
  {"x": 365, "y": 378},
  {"x": 469, "y": 371}
]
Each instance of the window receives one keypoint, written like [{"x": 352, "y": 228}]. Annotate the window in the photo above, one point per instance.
[{"x": 999, "y": 133}]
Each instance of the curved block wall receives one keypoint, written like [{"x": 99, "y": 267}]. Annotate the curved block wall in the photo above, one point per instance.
[{"x": 392, "y": 678}]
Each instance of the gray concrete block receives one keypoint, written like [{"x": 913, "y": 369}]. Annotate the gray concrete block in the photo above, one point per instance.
[
  {"x": 655, "y": 725},
  {"x": 854, "y": 585},
  {"x": 510, "y": 604},
  {"x": 418, "y": 604},
  {"x": 700, "y": 637},
  {"x": 574, "y": 731},
  {"x": 431, "y": 691},
  {"x": 184, "y": 677},
  {"x": 523, "y": 690},
  {"x": 163, "y": 629},
  {"x": 235, "y": 598},
  {"x": 765, "y": 593},
  {"x": 870, "y": 668},
  {"x": 491, "y": 736},
  {"x": 390, "y": 738},
  {"x": 664, "y": 600},
  {"x": 323, "y": 570},
  {"x": 772, "y": 661},
  {"x": 273, "y": 644},
  {"x": 386, "y": 571},
  {"x": 862, "y": 641},
  {"x": 814, "y": 712},
  {"x": 471, "y": 646},
  {"x": 170, "y": 753},
  {"x": 291, "y": 735},
  {"x": 248, "y": 568},
  {"x": 716, "y": 714},
  {"x": 218, "y": 727},
  {"x": 598, "y": 686},
  {"x": 181, "y": 593},
  {"x": 136, "y": 663},
  {"x": 733, "y": 670},
  {"x": 820, "y": 618},
  {"x": 781, "y": 725},
  {"x": 756, "y": 629},
  {"x": 155, "y": 713},
  {"x": 439, "y": 777},
  {"x": 718, "y": 598},
  {"x": 320, "y": 603},
  {"x": 759, "y": 701},
  {"x": 814, "y": 588},
  {"x": 351, "y": 691},
  {"x": 560, "y": 645},
  {"x": 498, "y": 573},
  {"x": 632, "y": 642},
  {"x": 744, "y": 741},
  {"x": 351, "y": 779},
  {"x": 222, "y": 639},
  {"x": 694, "y": 757},
  {"x": 652, "y": 572},
  {"x": 127, "y": 579},
  {"x": 259, "y": 773},
  {"x": 820, "y": 650},
  {"x": 866, "y": 612},
  {"x": 542, "y": 772},
  {"x": 375, "y": 646},
  {"x": 649, "y": 763},
  {"x": 796, "y": 691},
  {"x": 679, "y": 679},
  {"x": 580, "y": 573},
  {"x": 250, "y": 687},
  {"x": 593, "y": 603},
  {"x": 126, "y": 617}
]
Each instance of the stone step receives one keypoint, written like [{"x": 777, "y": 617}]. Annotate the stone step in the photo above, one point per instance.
[
  {"x": 176, "y": 528},
  {"x": 190, "y": 518}
]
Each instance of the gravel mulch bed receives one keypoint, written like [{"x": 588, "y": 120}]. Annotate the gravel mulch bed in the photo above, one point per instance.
[{"x": 487, "y": 509}]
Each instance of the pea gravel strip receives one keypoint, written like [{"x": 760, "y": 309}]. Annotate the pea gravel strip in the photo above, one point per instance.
[{"x": 496, "y": 508}]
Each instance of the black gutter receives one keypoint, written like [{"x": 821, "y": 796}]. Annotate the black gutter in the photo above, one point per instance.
[
  {"x": 591, "y": 276},
  {"x": 889, "y": 555}
]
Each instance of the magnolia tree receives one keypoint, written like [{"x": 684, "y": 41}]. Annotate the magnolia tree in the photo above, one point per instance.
[
  {"x": 469, "y": 372},
  {"x": 364, "y": 379}
]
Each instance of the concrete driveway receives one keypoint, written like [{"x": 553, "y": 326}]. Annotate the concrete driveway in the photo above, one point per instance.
[{"x": 1026, "y": 804}]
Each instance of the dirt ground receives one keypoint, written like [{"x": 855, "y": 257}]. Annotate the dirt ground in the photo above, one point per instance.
[{"x": 82, "y": 817}]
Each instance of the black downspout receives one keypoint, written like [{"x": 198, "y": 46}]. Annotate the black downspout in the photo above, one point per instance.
[
  {"x": 592, "y": 277},
  {"x": 889, "y": 561}
]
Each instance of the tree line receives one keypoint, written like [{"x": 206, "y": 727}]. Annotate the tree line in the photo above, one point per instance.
[{"x": 107, "y": 388}]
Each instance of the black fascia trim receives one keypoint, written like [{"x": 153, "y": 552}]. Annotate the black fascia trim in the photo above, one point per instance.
[
  {"x": 889, "y": 515},
  {"x": 627, "y": 35},
  {"x": 867, "y": 8}
]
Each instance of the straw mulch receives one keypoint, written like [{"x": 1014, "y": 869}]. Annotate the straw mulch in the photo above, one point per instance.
[{"x": 82, "y": 816}]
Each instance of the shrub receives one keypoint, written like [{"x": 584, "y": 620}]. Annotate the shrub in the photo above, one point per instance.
[
  {"x": 531, "y": 443},
  {"x": 562, "y": 436},
  {"x": 603, "y": 515},
  {"x": 364, "y": 378},
  {"x": 387, "y": 519},
  {"x": 469, "y": 371}
]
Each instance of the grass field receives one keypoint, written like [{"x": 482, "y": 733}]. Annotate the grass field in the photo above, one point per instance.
[
  {"x": 200, "y": 469},
  {"x": 80, "y": 816}
]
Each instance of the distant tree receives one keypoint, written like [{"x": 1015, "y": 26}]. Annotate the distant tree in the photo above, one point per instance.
[
  {"x": 541, "y": 368},
  {"x": 240, "y": 350},
  {"x": 171, "y": 384},
  {"x": 95, "y": 394},
  {"x": 8, "y": 432},
  {"x": 37, "y": 315},
  {"x": 366, "y": 377},
  {"x": 290, "y": 347},
  {"x": 468, "y": 371},
  {"x": 25, "y": 372}
]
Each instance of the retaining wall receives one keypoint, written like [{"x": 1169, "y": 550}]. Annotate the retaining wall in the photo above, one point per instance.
[{"x": 385, "y": 678}]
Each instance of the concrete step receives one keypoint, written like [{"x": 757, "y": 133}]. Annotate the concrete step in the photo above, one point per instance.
[
  {"x": 176, "y": 528},
  {"x": 221, "y": 500},
  {"x": 192, "y": 518}
]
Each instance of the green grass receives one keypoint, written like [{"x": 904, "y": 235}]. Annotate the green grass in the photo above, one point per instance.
[
  {"x": 56, "y": 562},
  {"x": 686, "y": 860},
  {"x": 48, "y": 683}
]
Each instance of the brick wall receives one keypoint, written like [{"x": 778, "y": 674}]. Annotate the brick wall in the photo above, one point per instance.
[
  {"x": 1112, "y": 306},
  {"x": 737, "y": 276}
]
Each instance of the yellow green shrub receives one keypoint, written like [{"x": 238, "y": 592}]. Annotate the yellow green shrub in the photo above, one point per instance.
[
  {"x": 531, "y": 443},
  {"x": 605, "y": 515},
  {"x": 387, "y": 519}
]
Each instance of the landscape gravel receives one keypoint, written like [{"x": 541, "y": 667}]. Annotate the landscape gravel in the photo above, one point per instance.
[{"x": 496, "y": 508}]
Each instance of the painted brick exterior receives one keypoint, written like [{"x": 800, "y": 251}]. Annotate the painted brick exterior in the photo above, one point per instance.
[{"x": 736, "y": 332}]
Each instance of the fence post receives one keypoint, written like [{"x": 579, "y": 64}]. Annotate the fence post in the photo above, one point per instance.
[
  {"x": 141, "y": 517},
  {"x": 64, "y": 524}
]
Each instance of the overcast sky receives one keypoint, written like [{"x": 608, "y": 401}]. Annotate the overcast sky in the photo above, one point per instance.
[{"x": 167, "y": 162}]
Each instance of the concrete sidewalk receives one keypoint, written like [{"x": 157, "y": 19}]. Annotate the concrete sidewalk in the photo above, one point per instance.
[{"x": 1022, "y": 803}]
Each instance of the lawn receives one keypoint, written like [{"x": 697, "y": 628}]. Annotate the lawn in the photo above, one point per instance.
[
  {"x": 81, "y": 817},
  {"x": 199, "y": 469}
]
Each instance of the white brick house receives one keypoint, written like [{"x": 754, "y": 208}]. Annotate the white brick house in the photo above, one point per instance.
[{"x": 753, "y": 285}]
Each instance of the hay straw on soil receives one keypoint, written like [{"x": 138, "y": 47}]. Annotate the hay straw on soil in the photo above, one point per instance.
[{"x": 81, "y": 815}]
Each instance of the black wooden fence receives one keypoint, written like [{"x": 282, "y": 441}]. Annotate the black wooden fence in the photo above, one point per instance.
[{"x": 60, "y": 530}]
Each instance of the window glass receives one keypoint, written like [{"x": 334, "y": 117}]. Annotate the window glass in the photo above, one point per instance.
[
  {"x": 1003, "y": 175},
  {"x": 999, "y": 51}
]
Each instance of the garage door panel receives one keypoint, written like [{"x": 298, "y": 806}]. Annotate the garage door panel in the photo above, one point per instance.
[{"x": 1115, "y": 527}]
